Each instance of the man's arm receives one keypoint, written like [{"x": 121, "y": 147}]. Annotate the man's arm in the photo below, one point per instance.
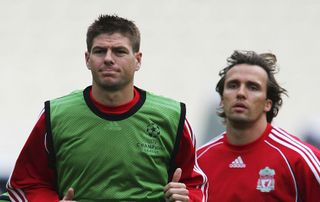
[
  {"x": 192, "y": 176},
  {"x": 32, "y": 179},
  {"x": 308, "y": 175}
]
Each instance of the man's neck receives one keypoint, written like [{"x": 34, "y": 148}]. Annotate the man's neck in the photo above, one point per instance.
[
  {"x": 245, "y": 133},
  {"x": 113, "y": 98}
]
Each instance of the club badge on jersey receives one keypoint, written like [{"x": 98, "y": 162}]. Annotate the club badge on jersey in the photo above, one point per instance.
[{"x": 266, "y": 180}]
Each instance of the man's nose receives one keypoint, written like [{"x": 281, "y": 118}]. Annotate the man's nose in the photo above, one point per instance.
[
  {"x": 108, "y": 59},
  {"x": 241, "y": 93}
]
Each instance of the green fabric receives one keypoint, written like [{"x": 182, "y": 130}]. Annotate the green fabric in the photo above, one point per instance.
[
  {"x": 4, "y": 197},
  {"x": 125, "y": 160}
]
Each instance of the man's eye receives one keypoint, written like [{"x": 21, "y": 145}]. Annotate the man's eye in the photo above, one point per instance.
[
  {"x": 98, "y": 51},
  {"x": 231, "y": 85},
  {"x": 120, "y": 52},
  {"x": 253, "y": 87}
]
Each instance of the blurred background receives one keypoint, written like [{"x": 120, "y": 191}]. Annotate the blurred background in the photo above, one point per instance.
[{"x": 184, "y": 44}]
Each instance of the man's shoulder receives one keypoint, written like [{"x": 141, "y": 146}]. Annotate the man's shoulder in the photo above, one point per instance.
[
  {"x": 4, "y": 197},
  {"x": 72, "y": 99},
  {"x": 283, "y": 137},
  {"x": 211, "y": 145},
  {"x": 69, "y": 96},
  {"x": 291, "y": 146},
  {"x": 161, "y": 97},
  {"x": 160, "y": 101}
]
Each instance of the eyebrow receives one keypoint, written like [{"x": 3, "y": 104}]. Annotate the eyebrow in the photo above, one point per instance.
[
  {"x": 232, "y": 81},
  {"x": 254, "y": 82},
  {"x": 247, "y": 82},
  {"x": 97, "y": 47},
  {"x": 112, "y": 48}
]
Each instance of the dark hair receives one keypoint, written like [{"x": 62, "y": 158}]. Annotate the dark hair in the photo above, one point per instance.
[
  {"x": 267, "y": 61},
  {"x": 111, "y": 24}
]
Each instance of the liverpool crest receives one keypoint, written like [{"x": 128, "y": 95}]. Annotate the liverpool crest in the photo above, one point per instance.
[{"x": 266, "y": 180}]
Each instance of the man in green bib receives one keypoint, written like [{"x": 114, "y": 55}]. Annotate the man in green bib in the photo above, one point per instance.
[{"x": 111, "y": 141}]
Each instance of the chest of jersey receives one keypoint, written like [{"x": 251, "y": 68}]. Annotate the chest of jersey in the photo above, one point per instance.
[
  {"x": 121, "y": 159},
  {"x": 255, "y": 174}
]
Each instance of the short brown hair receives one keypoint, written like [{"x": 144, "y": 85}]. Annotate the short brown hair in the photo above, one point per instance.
[{"x": 114, "y": 24}]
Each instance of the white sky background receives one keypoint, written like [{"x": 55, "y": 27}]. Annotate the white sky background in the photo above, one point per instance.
[{"x": 184, "y": 44}]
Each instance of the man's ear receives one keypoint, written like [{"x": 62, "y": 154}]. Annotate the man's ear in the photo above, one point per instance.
[
  {"x": 138, "y": 57},
  {"x": 87, "y": 58},
  {"x": 138, "y": 67},
  {"x": 221, "y": 104},
  {"x": 268, "y": 105}
]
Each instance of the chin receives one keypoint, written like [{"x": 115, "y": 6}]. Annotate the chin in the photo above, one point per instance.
[{"x": 238, "y": 119}]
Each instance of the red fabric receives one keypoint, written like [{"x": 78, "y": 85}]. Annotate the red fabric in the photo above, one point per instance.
[
  {"x": 34, "y": 180},
  {"x": 234, "y": 171},
  {"x": 31, "y": 172},
  {"x": 186, "y": 160},
  {"x": 118, "y": 109}
]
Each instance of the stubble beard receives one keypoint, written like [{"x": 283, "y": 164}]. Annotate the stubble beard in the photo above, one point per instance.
[
  {"x": 113, "y": 86},
  {"x": 237, "y": 121}
]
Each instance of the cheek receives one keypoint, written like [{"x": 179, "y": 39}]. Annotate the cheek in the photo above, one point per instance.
[
  {"x": 225, "y": 103},
  {"x": 262, "y": 105},
  {"x": 96, "y": 63},
  {"x": 94, "y": 60},
  {"x": 226, "y": 97},
  {"x": 130, "y": 66}
]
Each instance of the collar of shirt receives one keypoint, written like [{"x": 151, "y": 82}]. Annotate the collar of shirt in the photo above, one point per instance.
[{"x": 118, "y": 109}]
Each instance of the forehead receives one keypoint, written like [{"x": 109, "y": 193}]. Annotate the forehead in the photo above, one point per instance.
[
  {"x": 115, "y": 39},
  {"x": 247, "y": 72}
]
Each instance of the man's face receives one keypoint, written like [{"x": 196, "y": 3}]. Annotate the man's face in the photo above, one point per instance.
[
  {"x": 112, "y": 61},
  {"x": 244, "y": 96}
]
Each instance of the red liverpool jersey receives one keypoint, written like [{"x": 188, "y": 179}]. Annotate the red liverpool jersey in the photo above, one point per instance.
[{"x": 276, "y": 167}]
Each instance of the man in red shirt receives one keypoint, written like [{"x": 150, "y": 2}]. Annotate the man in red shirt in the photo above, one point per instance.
[{"x": 254, "y": 160}]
